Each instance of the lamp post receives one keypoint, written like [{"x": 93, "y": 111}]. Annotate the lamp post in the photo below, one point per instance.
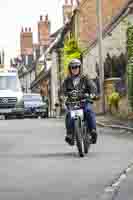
[{"x": 100, "y": 48}]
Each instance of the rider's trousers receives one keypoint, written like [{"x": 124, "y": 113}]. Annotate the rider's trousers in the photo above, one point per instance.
[{"x": 89, "y": 115}]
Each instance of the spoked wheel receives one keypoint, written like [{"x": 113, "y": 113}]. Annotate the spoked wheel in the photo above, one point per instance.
[
  {"x": 86, "y": 140},
  {"x": 78, "y": 135}
]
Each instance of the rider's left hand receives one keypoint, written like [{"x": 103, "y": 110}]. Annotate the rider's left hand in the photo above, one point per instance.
[{"x": 94, "y": 97}]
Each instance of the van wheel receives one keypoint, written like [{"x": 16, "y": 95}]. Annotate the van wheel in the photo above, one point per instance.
[
  {"x": 20, "y": 116},
  {"x": 6, "y": 116}
]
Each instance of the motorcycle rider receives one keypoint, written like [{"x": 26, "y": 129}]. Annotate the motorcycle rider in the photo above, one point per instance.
[{"x": 76, "y": 80}]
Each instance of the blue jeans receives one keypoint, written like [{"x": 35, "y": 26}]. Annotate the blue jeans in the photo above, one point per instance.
[{"x": 89, "y": 116}]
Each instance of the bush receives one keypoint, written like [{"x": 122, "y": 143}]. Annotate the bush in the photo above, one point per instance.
[{"x": 113, "y": 101}]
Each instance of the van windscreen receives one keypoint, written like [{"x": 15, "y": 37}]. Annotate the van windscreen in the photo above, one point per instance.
[{"x": 9, "y": 83}]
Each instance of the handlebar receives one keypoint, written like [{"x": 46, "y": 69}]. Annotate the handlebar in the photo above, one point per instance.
[
  {"x": 84, "y": 99},
  {"x": 80, "y": 94}
]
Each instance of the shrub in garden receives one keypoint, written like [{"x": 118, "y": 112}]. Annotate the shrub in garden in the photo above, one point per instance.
[{"x": 113, "y": 101}]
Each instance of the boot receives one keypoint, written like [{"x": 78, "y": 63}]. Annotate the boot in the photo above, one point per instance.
[
  {"x": 68, "y": 138},
  {"x": 94, "y": 136}
]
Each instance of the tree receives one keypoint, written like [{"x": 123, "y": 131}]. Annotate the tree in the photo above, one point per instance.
[
  {"x": 130, "y": 64},
  {"x": 71, "y": 50},
  {"x": 0, "y": 59}
]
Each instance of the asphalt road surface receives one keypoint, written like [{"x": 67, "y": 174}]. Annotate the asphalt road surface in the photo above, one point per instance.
[{"x": 37, "y": 164}]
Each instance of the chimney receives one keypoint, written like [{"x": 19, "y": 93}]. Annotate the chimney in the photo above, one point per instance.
[
  {"x": 41, "y": 17},
  {"x": 46, "y": 18},
  {"x": 26, "y": 41},
  {"x": 67, "y": 11},
  {"x": 77, "y": 2},
  {"x": 72, "y": 2},
  {"x": 3, "y": 57},
  {"x": 44, "y": 31}
]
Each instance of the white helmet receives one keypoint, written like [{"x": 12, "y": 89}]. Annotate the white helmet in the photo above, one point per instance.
[{"x": 74, "y": 63}]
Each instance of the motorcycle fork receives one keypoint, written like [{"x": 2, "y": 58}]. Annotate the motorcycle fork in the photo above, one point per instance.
[{"x": 81, "y": 125}]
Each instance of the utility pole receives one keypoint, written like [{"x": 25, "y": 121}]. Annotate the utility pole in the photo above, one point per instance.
[{"x": 100, "y": 47}]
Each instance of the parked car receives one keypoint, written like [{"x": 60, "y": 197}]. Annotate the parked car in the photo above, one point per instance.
[{"x": 34, "y": 106}]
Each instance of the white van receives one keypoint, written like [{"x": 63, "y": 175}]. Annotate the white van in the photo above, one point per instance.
[{"x": 11, "y": 95}]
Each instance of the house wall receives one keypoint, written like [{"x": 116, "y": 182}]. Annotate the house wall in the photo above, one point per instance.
[
  {"x": 22, "y": 82},
  {"x": 114, "y": 44},
  {"x": 32, "y": 76},
  {"x": 54, "y": 80},
  {"x": 88, "y": 17},
  {"x": 26, "y": 80}
]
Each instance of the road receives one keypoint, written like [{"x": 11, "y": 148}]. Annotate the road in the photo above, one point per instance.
[{"x": 37, "y": 164}]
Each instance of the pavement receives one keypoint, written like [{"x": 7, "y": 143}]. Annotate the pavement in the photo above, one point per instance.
[
  {"x": 112, "y": 122},
  {"x": 126, "y": 188},
  {"x": 122, "y": 187}
]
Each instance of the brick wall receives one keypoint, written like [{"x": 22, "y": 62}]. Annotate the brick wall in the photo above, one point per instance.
[
  {"x": 114, "y": 44},
  {"x": 88, "y": 19}
]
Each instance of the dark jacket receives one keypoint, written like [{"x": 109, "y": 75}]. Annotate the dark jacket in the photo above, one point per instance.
[{"x": 86, "y": 85}]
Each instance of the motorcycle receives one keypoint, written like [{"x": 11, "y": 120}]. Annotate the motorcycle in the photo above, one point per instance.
[{"x": 81, "y": 135}]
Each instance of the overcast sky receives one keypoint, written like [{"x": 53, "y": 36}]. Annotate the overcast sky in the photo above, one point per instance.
[{"x": 17, "y": 13}]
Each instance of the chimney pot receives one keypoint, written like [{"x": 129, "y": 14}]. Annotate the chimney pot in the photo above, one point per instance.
[
  {"x": 25, "y": 29},
  {"x": 46, "y": 17},
  {"x": 77, "y": 2},
  {"x": 30, "y": 29},
  {"x": 22, "y": 30},
  {"x": 41, "y": 17},
  {"x": 66, "y": 2}
]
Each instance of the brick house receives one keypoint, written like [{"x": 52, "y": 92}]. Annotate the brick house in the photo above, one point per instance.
[
  {"x": 84, "y": 29},
  {"x": 49, "y": 80},
  {"x": 26, "y": 76},
  {"x": 114, "y": 46},
  {"x": 88, "y": 18},
  {"x": 30, "y": 65}
]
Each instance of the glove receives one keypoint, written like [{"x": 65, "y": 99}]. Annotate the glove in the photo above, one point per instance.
[{"x": 94, "y": 97}]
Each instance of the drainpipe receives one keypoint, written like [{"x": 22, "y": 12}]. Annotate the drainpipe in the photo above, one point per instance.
[{"x": 100, "y": 46}]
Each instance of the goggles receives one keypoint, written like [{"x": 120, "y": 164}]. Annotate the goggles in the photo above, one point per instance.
[{"x": 75, "y": 67}]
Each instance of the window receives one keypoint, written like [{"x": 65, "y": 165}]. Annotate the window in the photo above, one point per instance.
[{"x": 9, "y": 83}]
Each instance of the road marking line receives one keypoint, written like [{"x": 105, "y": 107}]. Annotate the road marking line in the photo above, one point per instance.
[{"x": 112, "y": 189}]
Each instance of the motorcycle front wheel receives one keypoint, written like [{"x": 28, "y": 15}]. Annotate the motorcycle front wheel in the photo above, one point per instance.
[
  {"x": 86, "y": 140},
  {"x": 79, "y": 139}
]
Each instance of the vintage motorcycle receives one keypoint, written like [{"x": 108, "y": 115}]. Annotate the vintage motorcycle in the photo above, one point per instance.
[{"x": 81, "y": 135}]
